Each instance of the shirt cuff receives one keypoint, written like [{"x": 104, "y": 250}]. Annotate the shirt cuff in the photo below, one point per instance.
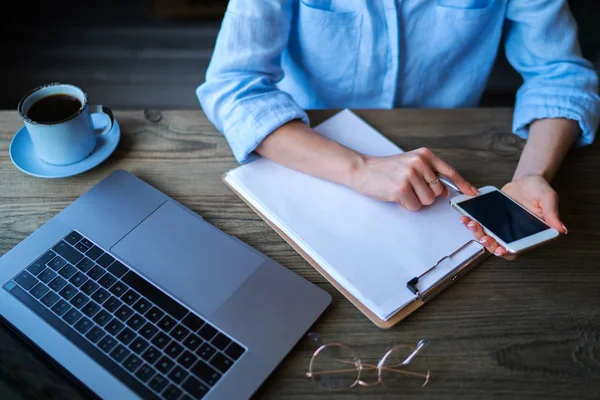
[
  {"x": 250, "y": 123},
  {"x": 539, "y": 104}
]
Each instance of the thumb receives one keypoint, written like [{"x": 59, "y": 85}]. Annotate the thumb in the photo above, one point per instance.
[{"x": 550, "y": 212}]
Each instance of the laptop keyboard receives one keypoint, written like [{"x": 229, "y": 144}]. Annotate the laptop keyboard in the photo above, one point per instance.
[{"x": 152, "y": 343}]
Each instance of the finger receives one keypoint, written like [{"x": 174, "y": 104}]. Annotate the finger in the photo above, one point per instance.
[
  {"x": 489, "y": 243},
  {"x": 501, "y": 252},
  {"x": 550, "y": 212},
  {"x": 408, "y": 199},
  {"x": 445, "y": 169},
  {"x": 475, "y": 229},
  {"x": 432, "y": 180},
  {"x": 465, "y": 221},
  {"x": 422, "y": 190}
]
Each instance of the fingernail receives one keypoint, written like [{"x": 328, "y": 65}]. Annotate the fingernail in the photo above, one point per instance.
[
  {"x": 472, "y": 226},
  {"x": 498, "y": 251},
  {"x": 565, "y": 228},
  {"x": 473, "y": 188},
  {"x": 485, "y": 242}
]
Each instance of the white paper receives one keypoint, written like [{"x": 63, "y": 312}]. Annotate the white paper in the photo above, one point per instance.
[{"x": 371, "y": 248}]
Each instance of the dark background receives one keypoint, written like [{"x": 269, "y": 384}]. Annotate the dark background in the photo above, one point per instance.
[{"x": 133, "y": 54}]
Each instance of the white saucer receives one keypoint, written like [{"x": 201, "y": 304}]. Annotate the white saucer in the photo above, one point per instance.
[{"x": 23, "y": 155}]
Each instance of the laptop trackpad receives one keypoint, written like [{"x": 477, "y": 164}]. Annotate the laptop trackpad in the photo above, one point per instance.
[{"x": 187, "y": 257}]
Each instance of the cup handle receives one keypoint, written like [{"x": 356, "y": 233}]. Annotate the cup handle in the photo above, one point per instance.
[{"x": 98, "y": 109}]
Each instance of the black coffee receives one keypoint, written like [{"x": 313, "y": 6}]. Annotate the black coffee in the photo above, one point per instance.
[{"x": 54, "y": 108}]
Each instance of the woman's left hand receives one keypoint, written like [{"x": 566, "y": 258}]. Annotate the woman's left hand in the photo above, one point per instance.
[{"x": 535, "y": 194}]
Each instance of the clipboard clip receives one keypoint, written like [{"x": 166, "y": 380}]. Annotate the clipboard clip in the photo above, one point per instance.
[{"x": 450, "y": 277}]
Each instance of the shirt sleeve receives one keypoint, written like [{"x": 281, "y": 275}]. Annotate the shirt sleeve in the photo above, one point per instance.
[
  {"x": 541, "y": 44},
  {"x": 239, "y": 95}
]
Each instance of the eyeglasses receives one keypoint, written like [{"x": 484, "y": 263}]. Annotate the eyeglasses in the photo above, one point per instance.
[{"x": 335, "y": 366}]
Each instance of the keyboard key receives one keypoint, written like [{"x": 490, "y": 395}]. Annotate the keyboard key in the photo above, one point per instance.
[
  {"x": 220, "y": 341},
  {"x": 178, "y": 374},
  {"x": 171, "y": 393},
  {"x": 47, "y": 275},
  {"x": 85, "y": 264},
  {"x": 220, "y": 362},
  {"x": 192, "y": 342},
  {"x": 40, "y": 264},
  {"x": 78, "y": 279},
  {"x": 158, "y": 383},
  {"x": 206, "y": 351},
  {"x": 68, "y": 292},
  {"x": 194, "y": 387},
  {"x": 91, "y": 309},
  {"x": 173, "y": 349},
  {"x": 95, "y": 334},
  {"x": 67, "y": 271},
  {"x": 89, "y": 287},
  {"x": 166, "y": 323},
  {"x": 107, "y": 280},
  {"x": 117, "y": 269},
  {"x": 83, "y": 325},
  {"x": 72, "y": 316},
  {"x": 132, "y": 363},
  {"x": 130, "y": 297},
  {"x": 49, "y": 299},
  {"x": 207, "y": 332},
  {"x": 136, "y": 321},
  {"x": 81, "y": 247},
  {"x": 60, "y": 307},
  {"x": 160, "y": 340},
  {"x": 205, "y": 372},
  {"x": 73, "y": 237},
  {"x": 151, "y": 355},
  {"x": 87, "y": 242},
  {"x": 126, "y": 336},
  {"x": 187, "y": 359},
  {"x": 138, "y": 345},
  {"x": 57, "y": 284},
  {"x": 234, "y": 351},
  {"x": 120, "y": 353},
  {"x": 79, "y": 300},
  {"x": 157, "y": 297},
  {"x": 112, "y": 304},
  {"x": 118, "y": 289},
  {"x": 102, "y": 318},
  {"x": 95, "y": 273},
  {"x": 154, "y": 314},
  {"x": 148, "y": 331},
  {"x": 105, "y": 260},
  {"x": 124, "y": 312},
  {"x": 164, "y": 365},
  {"x": 39, "y": 290},
  {"x": 179, "y": 332},
  {"x": 192, "y": 322},
  {"x": 57, "y": 263},
  {"x": 67, "y": 252},
  {"x": 114, "y": 326},
  {"x": 107, "y": 343},
  {"x": 100, "y": 296},
  {"x": 145, "y": 373},
  {"x": 94, "y": 252},
  {"x": 26, "y": 280},
  {"x": 142, "y": 305}
]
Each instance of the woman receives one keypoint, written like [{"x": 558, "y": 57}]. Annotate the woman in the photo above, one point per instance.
[{"x": 275, "y": 58}]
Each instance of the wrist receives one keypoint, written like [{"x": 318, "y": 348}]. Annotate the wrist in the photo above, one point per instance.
[{"x": 354, "y": 170}]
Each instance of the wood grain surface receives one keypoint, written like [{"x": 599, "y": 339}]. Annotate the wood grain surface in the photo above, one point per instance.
[{"x": 522, "y": 329}]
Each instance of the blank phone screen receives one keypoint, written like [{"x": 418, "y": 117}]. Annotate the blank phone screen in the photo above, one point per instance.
[{"x": 502, "y": 216}]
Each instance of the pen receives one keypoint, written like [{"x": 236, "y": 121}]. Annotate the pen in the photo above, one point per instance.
[{"x": 448, "y": 182}]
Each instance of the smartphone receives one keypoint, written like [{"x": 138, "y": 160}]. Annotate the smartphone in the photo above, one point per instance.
[{"x": 513, "y": 226}]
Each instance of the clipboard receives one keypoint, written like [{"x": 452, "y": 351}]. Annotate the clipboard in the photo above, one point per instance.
[
  {"x": 391, "y": 293},
  {"x": 422, "y": 297}
]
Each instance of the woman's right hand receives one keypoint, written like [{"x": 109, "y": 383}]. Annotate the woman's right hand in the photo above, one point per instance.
[{"x": 408, "y": 179}]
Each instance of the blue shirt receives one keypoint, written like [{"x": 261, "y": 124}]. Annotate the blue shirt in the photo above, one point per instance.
[{"x": 275, "y": 58}]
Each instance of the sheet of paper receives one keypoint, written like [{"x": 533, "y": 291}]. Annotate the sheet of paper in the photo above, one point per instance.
[{"x": 371, "y": 247}]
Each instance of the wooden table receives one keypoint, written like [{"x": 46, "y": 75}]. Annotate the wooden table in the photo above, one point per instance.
[{"x": 528, "y": 328}]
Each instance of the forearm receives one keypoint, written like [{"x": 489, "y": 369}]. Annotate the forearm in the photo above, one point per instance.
[
  {"x": 297, "y": 146},
  {"x": 548, "y": 143}
]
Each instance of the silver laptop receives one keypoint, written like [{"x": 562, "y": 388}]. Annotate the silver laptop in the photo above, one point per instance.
[{"x": 136, "y": 296}]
